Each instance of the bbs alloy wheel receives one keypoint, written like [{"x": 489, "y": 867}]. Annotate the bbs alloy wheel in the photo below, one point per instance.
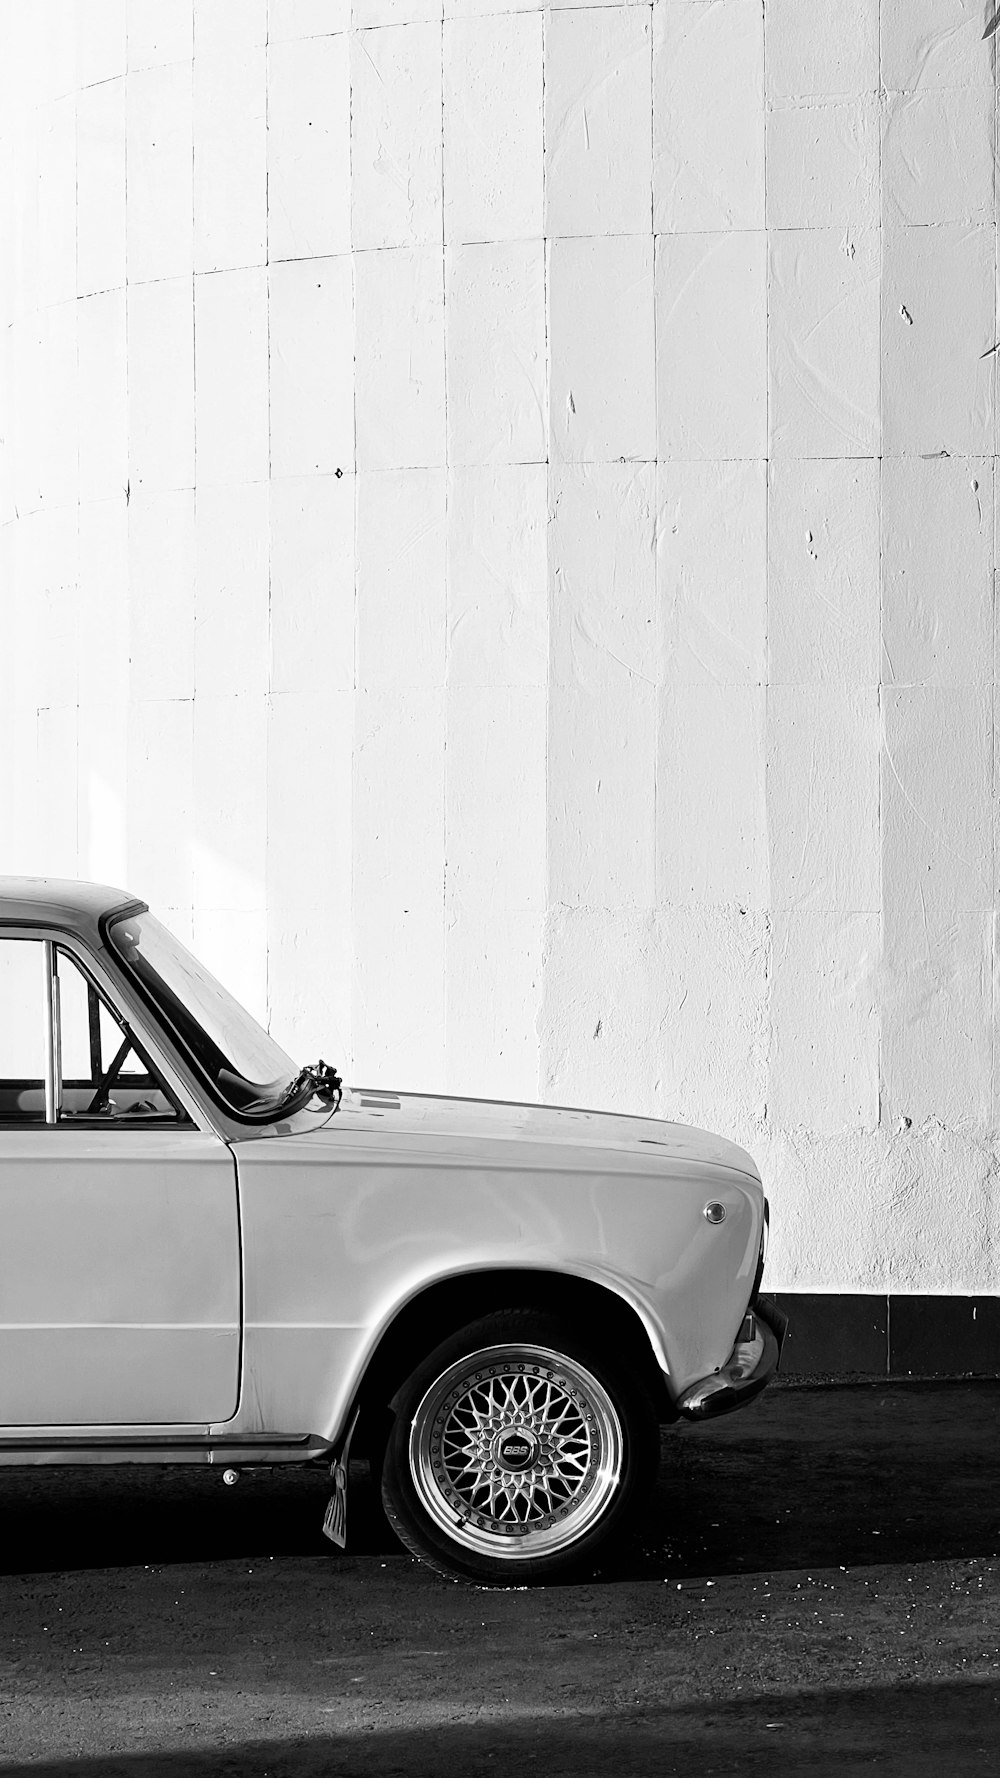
[
  {"x": 516, "y": 1447},
  {"x": 516, "y": 1454}
]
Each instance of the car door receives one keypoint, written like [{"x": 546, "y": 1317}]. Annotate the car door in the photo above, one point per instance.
[{"x": 119, "y": 1225}]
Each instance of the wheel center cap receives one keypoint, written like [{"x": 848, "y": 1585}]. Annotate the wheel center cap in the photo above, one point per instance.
[{"x": 515, "y": 1448}]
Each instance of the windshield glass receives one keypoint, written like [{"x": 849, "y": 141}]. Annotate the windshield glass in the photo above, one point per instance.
[{"x": 247, "y": 1068}]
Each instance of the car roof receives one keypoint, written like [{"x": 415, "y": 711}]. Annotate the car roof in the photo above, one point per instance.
[{"x": 59, "y": 901}]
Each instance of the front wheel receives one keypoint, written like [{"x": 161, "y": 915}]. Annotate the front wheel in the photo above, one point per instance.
[{"x": 516, "y": 1451}]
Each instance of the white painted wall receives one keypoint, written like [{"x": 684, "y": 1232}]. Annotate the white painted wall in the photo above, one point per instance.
[{"x": 498, "y": 544}]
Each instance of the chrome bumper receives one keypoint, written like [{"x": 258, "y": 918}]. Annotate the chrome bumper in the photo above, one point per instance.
[{"x": 748, "y": 1369}]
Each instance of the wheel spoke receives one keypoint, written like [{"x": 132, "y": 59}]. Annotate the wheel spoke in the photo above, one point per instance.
[{"x": 545, "y": 1409}]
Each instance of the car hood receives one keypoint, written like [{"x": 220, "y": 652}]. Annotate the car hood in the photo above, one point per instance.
[{"x": 478, "y": 1128}]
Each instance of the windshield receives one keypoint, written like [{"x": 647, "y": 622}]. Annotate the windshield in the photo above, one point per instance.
[{"x": 247, "y": 1068}]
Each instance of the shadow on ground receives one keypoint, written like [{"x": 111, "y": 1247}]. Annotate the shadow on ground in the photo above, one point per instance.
[
  {"x": 805, "y": 1477},
  {"x": 823, "y": 1476},
  {"x": 921, "y": 1731}
]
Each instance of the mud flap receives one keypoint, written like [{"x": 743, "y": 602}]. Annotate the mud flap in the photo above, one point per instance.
[{"x": 335, "y": 1517}]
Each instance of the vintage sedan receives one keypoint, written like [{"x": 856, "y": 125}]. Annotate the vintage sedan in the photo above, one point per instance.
[{"x": 211, "y": 1254}]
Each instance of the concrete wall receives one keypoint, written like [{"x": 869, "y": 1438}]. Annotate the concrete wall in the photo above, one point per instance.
[{"x": 498, "y": 544}]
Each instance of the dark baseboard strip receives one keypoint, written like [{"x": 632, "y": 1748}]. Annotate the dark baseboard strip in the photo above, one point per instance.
[{"x": 843, "y": 1336}]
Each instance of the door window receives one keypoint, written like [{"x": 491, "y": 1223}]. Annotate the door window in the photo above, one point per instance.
[
  {"x": 105, "y": 1072},
  {"x": 22, "y": 1030}
]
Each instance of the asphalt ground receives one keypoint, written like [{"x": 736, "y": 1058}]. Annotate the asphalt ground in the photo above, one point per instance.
[{"x": 814, "y": 1588}]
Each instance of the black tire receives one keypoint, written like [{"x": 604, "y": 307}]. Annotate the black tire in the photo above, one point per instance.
[{"x": 549, "y": 1445}]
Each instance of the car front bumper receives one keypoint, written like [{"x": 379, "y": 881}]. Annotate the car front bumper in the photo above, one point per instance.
[{"x": 748, "y": 1369}]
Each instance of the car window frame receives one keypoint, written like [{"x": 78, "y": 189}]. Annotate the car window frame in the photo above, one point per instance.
[
  {"x": 95, "y": 964},
  {"x": 233, "y": 1122},
  {"x": 98, "y": 1120},
  {"x": 207, "y": 1113},
  {"x": 17, "y": 934}
]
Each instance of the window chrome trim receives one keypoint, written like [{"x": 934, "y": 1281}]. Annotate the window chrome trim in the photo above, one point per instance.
[{"x": 53, "y": 1035}]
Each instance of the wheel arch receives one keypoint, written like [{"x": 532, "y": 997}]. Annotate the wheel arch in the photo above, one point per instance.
[{"x": 442, "y": 1306}]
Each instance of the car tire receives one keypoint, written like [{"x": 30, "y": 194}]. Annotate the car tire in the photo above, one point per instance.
[{"x": 516, "y": 1452}]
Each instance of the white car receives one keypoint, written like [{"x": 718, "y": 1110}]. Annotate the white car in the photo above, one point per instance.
[{"x": 209, "y": 1254}]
